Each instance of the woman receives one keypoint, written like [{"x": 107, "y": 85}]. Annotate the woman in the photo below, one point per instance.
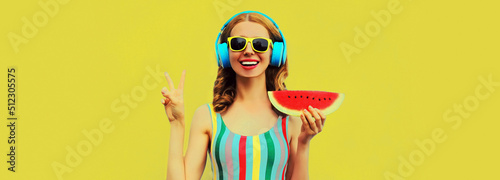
[{"x": 245, "y": 136}]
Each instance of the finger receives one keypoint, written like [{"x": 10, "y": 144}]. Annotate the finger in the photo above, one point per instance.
[
  {"x": 310, "y": 119},
  {"x": 165, "y": 92},
  {"x": 314, "y": 113},
  {"x": 168, "y": 97},
  {"x": 319, "y": 124},
  {"x": 304, "y": 121},
  {"x": 317, "y": 118},
  {"x": 165, "y": 101},
  {"x": 169, "y": 81},
  {"x": 181, "y": 84},
  {"x": 322, "y": 115}
]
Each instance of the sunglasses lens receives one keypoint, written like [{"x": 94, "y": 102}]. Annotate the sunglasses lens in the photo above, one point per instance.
[
  {"x": 260, "y": 44},
  {"x": 238, "y": 43}
]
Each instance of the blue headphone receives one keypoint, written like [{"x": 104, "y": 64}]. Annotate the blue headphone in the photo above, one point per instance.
[{"x": 278, "y": 56}]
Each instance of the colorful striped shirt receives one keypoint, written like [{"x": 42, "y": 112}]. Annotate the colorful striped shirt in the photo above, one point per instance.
[{"x": 235, "y": 156}]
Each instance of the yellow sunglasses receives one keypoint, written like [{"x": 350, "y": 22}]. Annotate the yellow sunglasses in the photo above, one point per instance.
[{"x": 259, "y": 44}]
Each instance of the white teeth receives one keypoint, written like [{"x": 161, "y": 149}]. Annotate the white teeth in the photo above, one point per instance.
[{"x": 249, "y": 63}]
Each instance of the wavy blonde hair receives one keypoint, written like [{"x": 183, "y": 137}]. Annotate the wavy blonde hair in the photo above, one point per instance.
[{"x": 225, "y": 83}]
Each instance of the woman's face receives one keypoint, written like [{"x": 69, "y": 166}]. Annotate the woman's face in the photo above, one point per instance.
[{"x": 237, "y": 59}]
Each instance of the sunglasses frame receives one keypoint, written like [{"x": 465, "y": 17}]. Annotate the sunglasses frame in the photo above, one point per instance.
[{"x": 247, "y": 39}]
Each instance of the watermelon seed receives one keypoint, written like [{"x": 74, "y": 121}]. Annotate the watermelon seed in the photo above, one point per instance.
[
  {"x": 307, "y": 97},
  {"x": 288, "y": 96},
  {"x": 313, "y": 98},
  {"x": 329, "y": 98},
  {"x": 319, "y": 99},
  {"x": 295, "y": 96},
  {"x": 300, "y": 96},
  {"x": 324, "y": 98}
]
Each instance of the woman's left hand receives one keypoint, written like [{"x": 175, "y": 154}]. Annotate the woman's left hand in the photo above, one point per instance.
[{"x": 313, "y": 121}]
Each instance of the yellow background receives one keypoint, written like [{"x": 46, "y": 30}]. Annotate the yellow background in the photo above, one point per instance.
[{"x": 426, "y": 60}]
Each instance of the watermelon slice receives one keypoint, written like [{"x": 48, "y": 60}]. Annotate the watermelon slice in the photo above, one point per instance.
[{"x": 293, "y": 102}]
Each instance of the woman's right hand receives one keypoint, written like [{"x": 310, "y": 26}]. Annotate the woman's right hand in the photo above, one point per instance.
[{"x": 173, "y": 100}]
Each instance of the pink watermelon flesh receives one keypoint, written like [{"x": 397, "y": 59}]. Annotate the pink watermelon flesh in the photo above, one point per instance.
[{"x": 293, "y": 102}]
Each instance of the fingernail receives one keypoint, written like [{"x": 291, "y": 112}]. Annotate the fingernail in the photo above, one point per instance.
[{"x": 310, "y": 107}]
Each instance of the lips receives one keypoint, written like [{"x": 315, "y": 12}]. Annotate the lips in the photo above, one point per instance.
[{"x": 249, "y": 63}]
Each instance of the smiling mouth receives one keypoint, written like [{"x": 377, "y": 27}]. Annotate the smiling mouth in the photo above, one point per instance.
[{"x": 249, "y": 63}]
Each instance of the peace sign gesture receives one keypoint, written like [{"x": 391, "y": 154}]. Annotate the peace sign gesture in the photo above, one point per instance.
[{"x": 174, "y": 101}]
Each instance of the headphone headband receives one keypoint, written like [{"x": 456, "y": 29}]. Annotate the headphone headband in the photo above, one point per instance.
[{"x": 227, "y": 22}]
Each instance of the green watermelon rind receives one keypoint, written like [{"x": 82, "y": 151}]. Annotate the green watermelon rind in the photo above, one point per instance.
[{"x": 330, "y": 109}]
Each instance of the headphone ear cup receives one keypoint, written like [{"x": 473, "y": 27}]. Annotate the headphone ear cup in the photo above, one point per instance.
[
  {"x": 223, "y": 56},
  {"x": 277, "y": 55}
]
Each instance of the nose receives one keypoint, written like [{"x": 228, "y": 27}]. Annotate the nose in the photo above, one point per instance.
[{"x": 249, "y": 49}]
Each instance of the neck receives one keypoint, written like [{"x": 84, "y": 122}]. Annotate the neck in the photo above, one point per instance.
[{"x": 251, "y": 89}]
